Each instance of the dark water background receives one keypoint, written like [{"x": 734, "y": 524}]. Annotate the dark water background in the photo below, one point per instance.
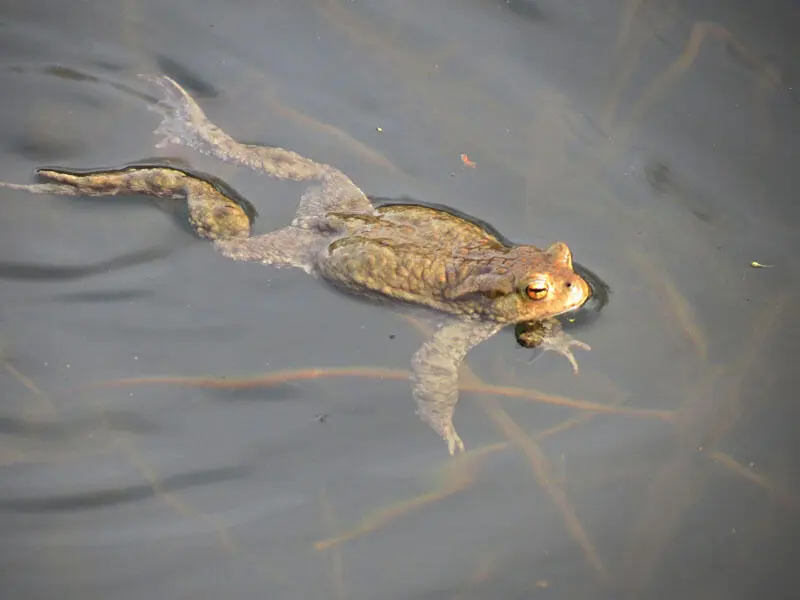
[{"x": 658, "y": 138}]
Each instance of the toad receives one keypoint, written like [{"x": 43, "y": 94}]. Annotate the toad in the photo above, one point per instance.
[{"x": 427, "y": 257}]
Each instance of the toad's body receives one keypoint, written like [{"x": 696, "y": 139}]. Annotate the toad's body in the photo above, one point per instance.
[{"x": 417, "y": 255}]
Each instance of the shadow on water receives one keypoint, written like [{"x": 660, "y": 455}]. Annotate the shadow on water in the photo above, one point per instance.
[
  {"x": 103, "y": 297},
  {"x": 16, "y": 271},
  {"x": 109, "y": 498},
  {"x": 116, "y": 420},
  {"x": 189, "y": 79}
]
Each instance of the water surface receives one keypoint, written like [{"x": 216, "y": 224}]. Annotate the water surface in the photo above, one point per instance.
[{"x": 653, "y": 137}]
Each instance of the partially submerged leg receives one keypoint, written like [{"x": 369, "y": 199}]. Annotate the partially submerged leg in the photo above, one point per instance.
[
  {"x": 185, "y": 123},
  {"x": 435, "y": 373},
  {"x": 213, "y": 214},
  {"x": 224, "y": 218},
  {"x": 287, "y": 247},
  {"x": 319, "y": 201}
]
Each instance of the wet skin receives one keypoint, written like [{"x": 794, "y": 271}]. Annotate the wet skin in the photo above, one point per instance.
[{"x": 451, "y": 265}]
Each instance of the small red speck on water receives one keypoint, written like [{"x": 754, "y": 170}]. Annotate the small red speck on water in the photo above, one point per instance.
[{"x": 465, "y": 159}]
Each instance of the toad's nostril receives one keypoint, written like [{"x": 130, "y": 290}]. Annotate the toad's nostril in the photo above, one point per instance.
[{"x": 569, "y": 284}]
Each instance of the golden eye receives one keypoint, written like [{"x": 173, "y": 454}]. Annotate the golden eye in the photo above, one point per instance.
[{"x": 536, "y": 289}]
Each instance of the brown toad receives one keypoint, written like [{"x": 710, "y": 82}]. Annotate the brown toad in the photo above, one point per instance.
[{"x": 431, "y": 257}]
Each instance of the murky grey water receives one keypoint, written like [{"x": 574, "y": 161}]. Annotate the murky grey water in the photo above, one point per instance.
[{"x": 655, "y": 138}]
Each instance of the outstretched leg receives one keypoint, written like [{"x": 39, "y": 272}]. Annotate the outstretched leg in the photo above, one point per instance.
[
  {"x": 435, "y": 373},
  {"x": 185, "y": 123},
  {"x": 213, "y": 214},
  {"x": 216, "y": 212}
]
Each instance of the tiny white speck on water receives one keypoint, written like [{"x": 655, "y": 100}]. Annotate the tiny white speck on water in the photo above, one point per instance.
[
  {"x": 131, "y": 394},
  {"x": 45, "y": 364},
  {"x": 68, "y": 366},
  {"x": 135, "y": 358}
]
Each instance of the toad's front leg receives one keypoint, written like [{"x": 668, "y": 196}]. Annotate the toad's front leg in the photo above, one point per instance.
[
  {"x": 548, "y": 335},
  {"x": 435, "y": 374}
]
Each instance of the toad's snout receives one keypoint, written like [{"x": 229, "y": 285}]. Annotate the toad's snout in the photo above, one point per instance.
[{"x": 576, "y": 292}]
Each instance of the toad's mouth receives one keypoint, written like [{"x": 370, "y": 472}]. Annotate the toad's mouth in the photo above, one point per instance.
[{"x": 572, "y": 308}]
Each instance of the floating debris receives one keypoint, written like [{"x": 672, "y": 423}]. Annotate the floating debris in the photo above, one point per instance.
[
  {"x": 758, "y": 265},
  {"x": 465, "y": 159}
]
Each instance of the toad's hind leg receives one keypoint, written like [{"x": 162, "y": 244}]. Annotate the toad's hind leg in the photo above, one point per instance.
[
  {"x": 215, "y": 212},
  {"x": 287, "y": 247},
  {"x": 212, "y": 213},
  {"x": 184, "y": 123}
]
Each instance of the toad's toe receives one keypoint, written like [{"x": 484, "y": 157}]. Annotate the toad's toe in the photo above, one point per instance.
[
  {"x": 453, "y": 440},
  {"x": 181, "y": 116},
  {"x": 563, "y": 347}
]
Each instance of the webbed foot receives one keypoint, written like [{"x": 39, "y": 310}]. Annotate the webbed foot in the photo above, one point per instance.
[
  {"x": 549, "y": 335},
  {"x": 436, "y": 395},
  {"x": 183, "y": 122},
  {"x": 453, "y": 441},
  {"x": 441, "y": 424}
]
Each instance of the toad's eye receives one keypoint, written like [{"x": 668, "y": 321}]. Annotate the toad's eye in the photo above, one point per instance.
[{"x": 537, "y": 289}]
